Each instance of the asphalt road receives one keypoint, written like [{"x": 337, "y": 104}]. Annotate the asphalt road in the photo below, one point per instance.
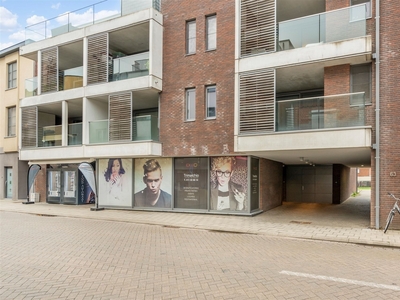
[{"x": 43, "y": 257}]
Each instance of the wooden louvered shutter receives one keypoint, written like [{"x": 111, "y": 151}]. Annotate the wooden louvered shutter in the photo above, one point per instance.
[
  {"x": 120, "y": 112},
  {"x": 49, "y": 66},
  {"x": 29, "y": 127},
  {"x": 98, "y": 59},
  {"x": 257, "y": 28},
  {"x": 257, "y": 101}
]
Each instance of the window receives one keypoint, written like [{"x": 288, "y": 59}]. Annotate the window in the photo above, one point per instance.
[
  {"x": 190, "y": 104},
  {"x": 12, "y": 75},
  {"x": 211, "y": 32},
  {"x": 361, "y": 82},
  {"x": 368, "y": 12},
  {"x": 11, "y": 118},
  {"x": 211, "y": 101},
  {"x": 191, "y": 37}
]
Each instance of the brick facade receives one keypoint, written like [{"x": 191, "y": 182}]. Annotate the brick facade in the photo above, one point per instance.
[{"x": 201, "y": 136}]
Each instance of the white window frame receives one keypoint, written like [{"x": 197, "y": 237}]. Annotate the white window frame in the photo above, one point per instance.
[
  {"x": 191, "y": 37},
  {"x": 11, "y": 121},
  {"x": 190, "y": 104},
  {"x": 211, "y": 32},
  {"x": 12, "y": 75},
  {"x": 211, "y": 90}
]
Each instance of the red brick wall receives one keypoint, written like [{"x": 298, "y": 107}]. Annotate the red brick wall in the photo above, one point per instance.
[
  {"x": 389, "y": 107},
  {"x": 271, "y": 184},
  {"x": 181, "y": 71}
]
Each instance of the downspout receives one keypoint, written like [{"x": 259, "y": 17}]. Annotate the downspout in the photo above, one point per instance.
[{"x": 377, "y": 113}]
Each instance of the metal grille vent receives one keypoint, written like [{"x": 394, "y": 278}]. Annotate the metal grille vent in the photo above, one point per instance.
[
  {"x": 120, "y": 112},
  {"x": 98, "y": 59},
  {"x": 257, "y": 101},
  {"x": 257, "y": 31},
  {"x": 29, "y": 127},
  {"x": 49, "y": 71}
]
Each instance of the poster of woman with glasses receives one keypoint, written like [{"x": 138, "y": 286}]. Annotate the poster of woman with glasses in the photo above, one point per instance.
[{"x": 228, "y": 183}]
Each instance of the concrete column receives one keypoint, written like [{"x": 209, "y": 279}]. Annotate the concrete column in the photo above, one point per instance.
[
  {"x": 64, "y": 122},
  {"x": 85, "y": 60},
  {"x": 39, "y": 75}
]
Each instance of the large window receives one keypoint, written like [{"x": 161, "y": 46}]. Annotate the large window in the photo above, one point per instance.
[
  {"x": 190, "y": 104},
  {"x": 11, "y": 118},
  {"x": 12, "y": 75},
  {"x": 368, "y": 12},
  {"x": 211, "y": 102},
  {"x": 211, "y": 32},
  {"x": 361, "y": 81},
  {"x": 191, "y": 37}
]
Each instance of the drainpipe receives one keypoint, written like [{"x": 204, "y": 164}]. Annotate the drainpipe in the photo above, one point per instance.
[{"x": 377, "y": 113}]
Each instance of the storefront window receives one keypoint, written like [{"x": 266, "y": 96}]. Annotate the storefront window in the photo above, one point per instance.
[
  {"x": 153, "y": 183},
  {"x": 191, "y": 182},
  {"x": 228, "y": 183}
]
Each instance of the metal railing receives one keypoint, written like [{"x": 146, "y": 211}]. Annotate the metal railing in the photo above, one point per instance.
[
  {"x": 321, "y": 28},
  {"x": 346, "y": 110}
]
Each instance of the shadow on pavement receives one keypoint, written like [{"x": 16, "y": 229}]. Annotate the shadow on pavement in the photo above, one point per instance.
[{"x": 354, "y": 212}]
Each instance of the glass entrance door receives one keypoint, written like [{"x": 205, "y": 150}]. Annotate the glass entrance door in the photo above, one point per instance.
[
  {"x": 9, "y": 173},
  {"x": 69, "y": 187}
]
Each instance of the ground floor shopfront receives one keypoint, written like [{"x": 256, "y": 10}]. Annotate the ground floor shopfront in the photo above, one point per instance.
[{"x": 242, "y": 185}]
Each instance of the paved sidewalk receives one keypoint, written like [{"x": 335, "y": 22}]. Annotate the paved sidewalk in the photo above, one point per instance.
[{"x": 347, "y": 222}]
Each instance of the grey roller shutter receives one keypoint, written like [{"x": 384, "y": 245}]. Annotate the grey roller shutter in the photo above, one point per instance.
[
  {"x": 257, "y": 101},
  {"x": 120, "y": 112},
  {"x": 257, "y": 26},
  {"x": 29, "y": 127}
]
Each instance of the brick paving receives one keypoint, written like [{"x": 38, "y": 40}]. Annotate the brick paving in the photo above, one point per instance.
[
  {"x": 43, "y": 256},
  {"x": 346, "y": 223}
]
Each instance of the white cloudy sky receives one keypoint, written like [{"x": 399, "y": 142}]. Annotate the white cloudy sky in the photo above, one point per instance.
[{"x": 15, "y": 15}]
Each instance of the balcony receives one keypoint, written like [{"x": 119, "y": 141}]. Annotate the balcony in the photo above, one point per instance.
[
  {"x": 144, "y": 128},
  {"x": 93, "y": 14},
  {"x": 130, "y": 66},
  {"x": 332, "y": 26},
  {"x": 347, "y": 110}
]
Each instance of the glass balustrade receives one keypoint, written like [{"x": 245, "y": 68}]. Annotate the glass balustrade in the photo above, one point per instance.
[
  {"x": 51, "y": 136},
  {"x": 98, "y": 132},
  {"x": 131, "y": 66},
  {"x": 347, "y": 110},
  {"x": 75, "y": 134},
  {"x": 144, "y": 128},
  {"x": 31, "y": 87},
  {"x": 71, "y": 78},
  {"x": 327, "y": 27}
]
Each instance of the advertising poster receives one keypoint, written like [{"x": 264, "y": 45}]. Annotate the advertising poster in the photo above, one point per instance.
[
  {"x": 115, "y": 182},
  {"x": 228, "y": 183},
  {"x": 153, "y": 182},
  {"x": 191, "y": 181}
]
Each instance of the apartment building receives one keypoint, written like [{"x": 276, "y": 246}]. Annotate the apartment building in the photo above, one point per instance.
[
  {"x": 315, "y": 90},
  {"x": 229, "y": 106},
  {"x": 14, "y": 70}
]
